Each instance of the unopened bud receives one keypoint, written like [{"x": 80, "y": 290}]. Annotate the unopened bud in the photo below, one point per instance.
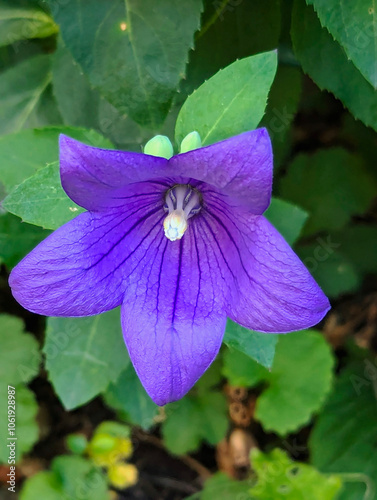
[
  {"x": 159, "y": 145},
  {"x": 190, "y": 142}
]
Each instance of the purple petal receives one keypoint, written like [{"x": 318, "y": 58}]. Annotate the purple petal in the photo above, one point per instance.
[
  {"x": 240, "y": 166},
  {"x": 93, "y": 177},
  {"x": 173, "y": 316},
  {"x": 272, "y": 291},
  {"x": 81, "y": 269}
]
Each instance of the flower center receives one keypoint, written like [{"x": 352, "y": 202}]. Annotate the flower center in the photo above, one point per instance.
[{"x": 182, "y": 202}]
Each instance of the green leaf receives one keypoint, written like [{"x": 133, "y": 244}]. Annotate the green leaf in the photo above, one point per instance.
[
  {"x": 231, "y": 102},
  {"x": 17, "y": 239},
  {"x": 183, "y": 414},
  {"x": 41, "y": 200},
  {"x": 134, "y": 52},
  {"x": 26, "y": 430},
  {"x": 128, "y": 396},
  {"x": 211, "y": 377},
  {"x": 76, "y": 443},
  {"x": 287, "y": 218},
  {"x": 354, "y": 27},
  {"x": 283, "y": 101},
  {"x": 360, "y": 137},
  {"x": 80, "y": 479},
  {"x": 343, "y": 439},
  {"x": 114, "y": 429},
  {"x": 21, "y": 92},
  {"x": 19, "y": 356},
  {"x": 193, "y": 419},
  {"x": 299, "y": 381},
  {"x": 221, "y": 487},
  {"x": 241, "y": 370},
  {"x": 332, "y": 185},
  {"x": 24, "y": 152},
  {"x": 358, "y": 244},
  {"x": 326, "y": 63},
  {"x": 18, "y": 22},
  {"x": 70, "y": 477},
  {"x": 42, "y": 485},
  {"x": 227, "y": 27},
  {"x": 334, "y": 273},
  {"x": 83, "y": 355},
  {"x": 256, "y": 345},
  {"x": 86, "y": 107},
  {"x": 280, "y": 478}
]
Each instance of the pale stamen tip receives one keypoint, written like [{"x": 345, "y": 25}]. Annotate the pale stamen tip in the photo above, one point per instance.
[{"x": 175, "y": 225}]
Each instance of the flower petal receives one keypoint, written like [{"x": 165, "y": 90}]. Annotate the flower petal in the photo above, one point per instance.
[
  {"x": 240, "y": 166},
  {"x": 272, "y": 289},
  {"x": 173, "y": 316},
  {"x": 93, "y": 177},
  {"x": 81, "y": 268}
]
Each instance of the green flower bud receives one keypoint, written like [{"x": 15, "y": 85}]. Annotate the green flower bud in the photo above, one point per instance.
[
  {"x": 102, "y": 443},
  {"x": 190, "y": 142},
  {"x": 122, "y": 475},
  {"x": 77, "y": 443},
  {"x": 159, "y": 145}
]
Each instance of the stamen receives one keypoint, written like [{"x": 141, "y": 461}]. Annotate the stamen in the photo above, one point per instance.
[{"x": 182, "y": 202}]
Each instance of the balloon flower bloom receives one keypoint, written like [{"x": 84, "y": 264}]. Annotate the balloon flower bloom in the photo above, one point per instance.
[{"x": 181, "y": 244}]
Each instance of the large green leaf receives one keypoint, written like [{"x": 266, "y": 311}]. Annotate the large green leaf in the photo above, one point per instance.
[
  {"x": 241, "y": 370},
  {"x": 21, "y": 92},
  {"x": 79, "y": 478},
  {"x": 41, "y": 200},
  {"x": 354, "y": 26},
  {"x": 87, "y": 107},
  {"x": 279, "y": 478},
  {"x": 134, "y": 52},
  {"x": 83, "y": 355},
  {"x": 332, "y": 185},
  {"x": 256, "y": 345},
  {"x": 283, "y": 101},
  {"x": 17, "y": 239},
  {"x": 44, "y": 485},
  {"x": 231, "y": 102},
  {"x": 70, "y": 477},
  {"x": 19, "y": 355},
  {"x": 358, "y": 243},
  {"x": 344, "y": 437},
  {"x": 128, "y": 396},
  {"x": 226, "y": 26},
  {"x": 299, "y": 381},
  {"x": 18, "y": 22},
  {"x": 24, "y": 152},
  {"x": 325, "y": 62},
  {"x": 193, "y": 419}
]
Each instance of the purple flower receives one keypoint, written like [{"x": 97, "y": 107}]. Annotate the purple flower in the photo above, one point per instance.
[{"x": 181, "y": 245}]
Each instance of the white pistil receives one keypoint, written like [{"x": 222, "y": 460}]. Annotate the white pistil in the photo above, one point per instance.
[
  {"x": 175, "y": 225},
  {"x": 182, "y": 202}
]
